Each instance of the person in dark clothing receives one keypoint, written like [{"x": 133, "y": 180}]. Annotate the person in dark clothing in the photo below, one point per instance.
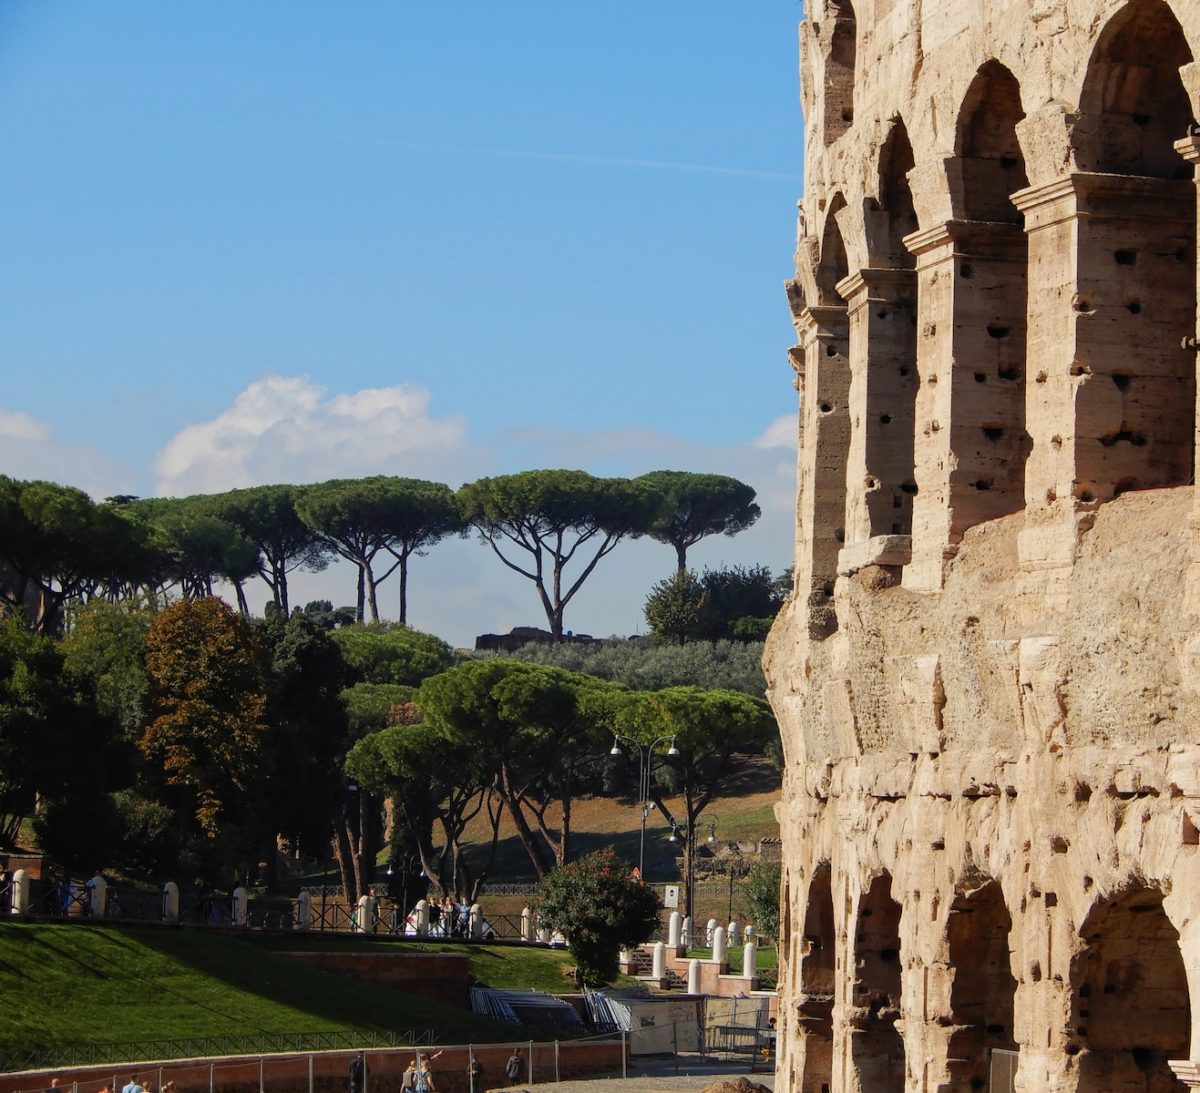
[
  {"x": 358, "y": 1073},
  {"x": 514, "y": 1069}
]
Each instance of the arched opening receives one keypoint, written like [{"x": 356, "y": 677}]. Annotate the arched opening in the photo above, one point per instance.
[
  {"x": 876, "y": 1046},
  {"x": 833, "y": 266},
  {"x": 1133, "y": 101},
  {"x": 895, "y": 194},
  {"x": 840, "y": 54},
  {"x": 817, "y": 971},
  {"x": 983, "y": 989},
  {"x": 1130, "y": 1007},
  {"x": 989, "y": 439},
  {"x": 993, "y": 164},
  {"x": 1136, "y": 292}
]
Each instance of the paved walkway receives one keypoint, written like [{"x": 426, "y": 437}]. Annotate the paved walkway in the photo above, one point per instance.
[{"x": 689, "y": 1073}]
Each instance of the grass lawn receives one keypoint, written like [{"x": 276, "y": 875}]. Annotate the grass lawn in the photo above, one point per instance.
[
  {"x": 74, "y": 984},
  {"x": 502, "y": 966}
]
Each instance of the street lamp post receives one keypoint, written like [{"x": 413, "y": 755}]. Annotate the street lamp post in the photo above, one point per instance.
[{"x": 645, "y": 773}]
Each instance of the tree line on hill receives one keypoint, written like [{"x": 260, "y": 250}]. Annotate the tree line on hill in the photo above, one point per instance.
[
  {"x": 193, "y": 742},
  {"x": 552, "y": 527}
]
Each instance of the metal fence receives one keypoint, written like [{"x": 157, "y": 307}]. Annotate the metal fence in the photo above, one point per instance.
[{"x": 205, "y": 1047}]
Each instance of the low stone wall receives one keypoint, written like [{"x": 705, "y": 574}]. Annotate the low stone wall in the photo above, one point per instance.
[
  {"x": 327, "y": 1072},
  {"x": 440, "y": 977}
]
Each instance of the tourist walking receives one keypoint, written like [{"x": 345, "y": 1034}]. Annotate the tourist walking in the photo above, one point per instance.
[
  {"x": 514, "y": 1069},
  {"x": 358, "y": 1072}
]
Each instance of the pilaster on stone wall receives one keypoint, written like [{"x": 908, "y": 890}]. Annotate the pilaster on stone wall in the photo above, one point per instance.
[
  {"x": 823, "y": 371},
  {"x": 881, "y": 306},
  {"x": 1189, "y": 149},
  {"x": 970, "y": 439},
  {"x": 1111, "y": 399}
]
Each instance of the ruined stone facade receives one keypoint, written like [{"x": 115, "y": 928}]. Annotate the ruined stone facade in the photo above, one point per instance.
[{"x": 988, "y": 681}]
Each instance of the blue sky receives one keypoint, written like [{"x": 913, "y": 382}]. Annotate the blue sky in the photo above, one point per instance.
[{"x": 287, "y": 241}]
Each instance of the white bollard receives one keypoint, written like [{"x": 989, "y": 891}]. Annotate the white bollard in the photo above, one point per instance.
[
  {"x": 303, "y": 911},
  {"x": 20, "y": 893},
  {"x": 526, "y": 925},
  {"x": 365, "y": 923},
  {"x": 659, "y": 968},
  {"x": 685, "y": 936},
  {"x": 732, "y": 933},
  {"x": 693, "y": 977},
  {"x": 422, "y": 923},
  {"x": 673, "y": 924},
  {"x": 170, "y": 902},
  {"x": 708, "y": 932},
  {"x": 750, "y": 961},
  {"x": 748, "y": 933},
  {"x": 719, "y": 945},
  {"x": 98, "y": 897},
  {"x": 237, "y": 909},
  {"x": 475, "y": 922}
]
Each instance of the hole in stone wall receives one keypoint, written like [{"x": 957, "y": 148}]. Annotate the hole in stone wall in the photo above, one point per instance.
[
  {"x": 1191, "y": 834},
  {"x": 1126, "y": 436},
  {"x": 826, "y": 408},
  {"x": 993, "y": 432},
  {"x": 1078, "y": 369},
  {"x": 1081, "y": 306},
  {"x": 1125, "y": 257},
  {"x": 1083, "y": 792},
  {"x": 839, "y": 535},
  {"x": 982, "y": 484},
  {"x": 980, "y": 377},
  {"x": 882, "y": 313},
  {"x": 1041, "y": 377},
  {"x": 966, "y": 271},
  {"x": 1134, "y": 307},
  {"x": 1009, "y": 373},
  {"x": 909, "y": 487},
  {"x": 885, "y": 419},
  {"x": 1122, "y": 380},
  {"x": 903, "y": 369},
  {"x": 831, "y": 351},
  {"x": 997, "y": 332}
]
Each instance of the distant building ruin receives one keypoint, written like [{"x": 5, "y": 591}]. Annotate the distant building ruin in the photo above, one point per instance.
[{"x": 988, "y": 680}]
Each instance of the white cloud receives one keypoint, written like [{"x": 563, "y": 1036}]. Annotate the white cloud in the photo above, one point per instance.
[
  {"x": 286, "y": 429},
  {"x": 781, "y": 433},
  {"x": 18, "y": 425},
  {"x": 29, "y": 449}
]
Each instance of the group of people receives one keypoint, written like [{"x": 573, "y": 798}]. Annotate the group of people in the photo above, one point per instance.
[
  {"x": 418, "y": 1075},
  {"x": 135, "y": 1086}
]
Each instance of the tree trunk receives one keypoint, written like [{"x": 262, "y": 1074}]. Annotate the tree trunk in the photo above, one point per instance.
[
  {"x": 362, "y": 594},
  {"x": 512, "y": 802},
  {"x": 404, "y": 589},
  {"x": 680, "y": 558},
  {"x": 372, "y": 600}
]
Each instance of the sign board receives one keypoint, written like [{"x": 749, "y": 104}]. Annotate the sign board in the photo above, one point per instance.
[{"x": 671, "y": 895}]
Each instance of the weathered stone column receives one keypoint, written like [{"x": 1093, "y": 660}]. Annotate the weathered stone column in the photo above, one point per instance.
[
  {"x": 970, "y": 437},
  {"x": 881, "y": 307},
  {"x": 1110, "y": 402},
  {"x": 823, "y": 379},
  {"x": 1189, "y": 149}
]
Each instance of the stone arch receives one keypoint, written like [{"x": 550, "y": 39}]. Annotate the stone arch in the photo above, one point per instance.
[
  {"x": 841, "y": 51},
  {"x": 1136, "y": 289},
  {"x": 1130, "y": 1011},
  {"x": 993, "y": 163},
  {"x": 983, "y": 990},
  {"x": 833, "y": 265},
  {"x": 989, "y": 440},
  {"x": 818, "y": 970},
  {"x": 876, "y": 1047},
  {"x": 896, "y": 160},
  {"x": 1133, "y": 102}
]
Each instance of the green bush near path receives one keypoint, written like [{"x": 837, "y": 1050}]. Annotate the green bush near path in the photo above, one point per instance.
[{"x": 81, "y": 984}]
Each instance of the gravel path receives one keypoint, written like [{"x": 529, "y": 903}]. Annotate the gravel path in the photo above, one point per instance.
[{"x": 645, "y": 1083}]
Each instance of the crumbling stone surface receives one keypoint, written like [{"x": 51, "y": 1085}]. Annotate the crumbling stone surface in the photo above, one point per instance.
[
  {"x": 988, "y": 679},
  {"x": 737, "y": 1085}
]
